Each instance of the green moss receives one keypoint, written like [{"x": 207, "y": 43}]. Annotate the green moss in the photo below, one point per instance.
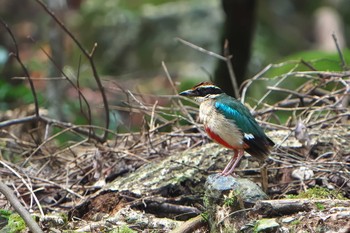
[
  {"x": 318, "y": 193},
  {"x": 295, "y": 222},
  {"x": 205, "y": 200},
  {"x": 64, "y": 217},
  {"x": 319, "y": 206},
  {"x": 123, "y": 229},
  {"x": 16, "y": 223}
]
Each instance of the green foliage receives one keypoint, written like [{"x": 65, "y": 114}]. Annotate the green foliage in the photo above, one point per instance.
[
  {"x": 16, "y": 223},
  {"x": 230, "y": 200},
  {"x": 206, "y": 201},
  {"x": 10, "y": 94},
  {"x": 5, "y": 213},
  {"x": 205, "y": 216},
  {"x": 296, "y": 222},
  {"x": 291, "y": 74},
  {"x": 135, "y": 5},
  {"x": 302, "y": 61}
]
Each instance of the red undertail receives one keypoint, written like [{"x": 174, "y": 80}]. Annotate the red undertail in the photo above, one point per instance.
[{"x": 221, "y": 141}]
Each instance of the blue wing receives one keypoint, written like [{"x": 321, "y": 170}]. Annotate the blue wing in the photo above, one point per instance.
[
  {"x": 240, "y": 115},
  {"x": 234, "y": 110}
]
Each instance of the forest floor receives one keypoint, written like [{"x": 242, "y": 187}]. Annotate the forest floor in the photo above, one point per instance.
[{"x": 154, "y": 180}]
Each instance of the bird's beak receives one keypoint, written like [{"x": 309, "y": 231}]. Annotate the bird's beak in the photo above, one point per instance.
[{"x": 187, "y": 93}]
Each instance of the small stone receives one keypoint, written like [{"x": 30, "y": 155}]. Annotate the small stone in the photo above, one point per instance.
[
  {"x": 283, "y": 230},
  {"x": 343, "y": 215},
  {"x": 266, "y": 224},
  {"x": 302, "y": 173},
  {"x": 288, "y": 220}
]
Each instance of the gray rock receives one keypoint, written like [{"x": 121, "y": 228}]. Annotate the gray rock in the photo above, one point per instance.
[
  {"x": 248, "y": 191},
  {"x": 227, "y": 199}
]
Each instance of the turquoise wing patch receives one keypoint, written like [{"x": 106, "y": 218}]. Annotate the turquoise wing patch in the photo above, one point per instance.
[{"x": 241, "y": 117}]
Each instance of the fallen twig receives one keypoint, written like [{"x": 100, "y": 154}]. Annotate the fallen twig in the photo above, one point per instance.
[
  {"x": 32, "y": 225},
  {"x": 190, "y": 225},
  {"x": 272, "y": 208}
]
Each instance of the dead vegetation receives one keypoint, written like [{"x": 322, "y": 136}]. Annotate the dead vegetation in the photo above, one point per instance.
[{"x": 312, "y": 146}]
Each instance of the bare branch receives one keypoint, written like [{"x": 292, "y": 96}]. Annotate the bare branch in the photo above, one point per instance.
[
  {"x": 26, "y": 184},
  {"x": 90, "y": 59},
  {"x": 76, "y": 87},
  {"x": 200, "y": 49},
  {"x": 226, "y": 58},
  {"x": 25, "y": 70},
  {"x": 79, "y": 129},
  {"x": 230, "y": 69},
  {"x": 341, "y": 56}
]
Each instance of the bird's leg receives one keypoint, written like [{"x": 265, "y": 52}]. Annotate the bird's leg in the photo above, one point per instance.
[
  {"x": 238, "y": 158},
  {"x": 264, "y": 177},
  {"x": 233, "y": 159}
]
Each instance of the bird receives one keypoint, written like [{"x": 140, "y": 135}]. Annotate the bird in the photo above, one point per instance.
[{"x": 229, "y": 123}]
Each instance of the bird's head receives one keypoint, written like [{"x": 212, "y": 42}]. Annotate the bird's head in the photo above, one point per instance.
[{"x": 202, "y": 91}]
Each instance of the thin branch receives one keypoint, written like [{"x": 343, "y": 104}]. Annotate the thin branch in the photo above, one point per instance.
[
  {"x": 179, "y": 103},
  {"x": 231, "y": 72},
  {"x": 76, "y": 87},
  {"x": 32, "y": 225},
  {"x": 61, "y": 124},
  {"x": 58, "y": 185},
  {"x": 200, "y": 49},
  {"x": 248, "y": 82},
  {"x": 26, "y": 184},
  {"x": 226, "y": 58},
  {"x": 293, "y": 93},
  {"x": 80, "y": 96},
  {"x": 25, "y": 70},
  {"x": 285, "y": 76},
  {"x": 341, "y": 56},
  {"x": 190, "y": 225},
  {"x": 89, "y": 56},
  {"x": 18, "y": 121},
  {"x": 169, "y": 78}
]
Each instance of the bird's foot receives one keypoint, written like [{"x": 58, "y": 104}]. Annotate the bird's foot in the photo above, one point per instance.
[{"x": 228, "y": 174}]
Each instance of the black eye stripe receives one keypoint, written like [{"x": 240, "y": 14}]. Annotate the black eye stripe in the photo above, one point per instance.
[{"x": 203, "y": 91}]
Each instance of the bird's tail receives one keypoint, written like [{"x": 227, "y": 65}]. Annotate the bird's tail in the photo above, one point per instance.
[{"x": 260, "y": 147}]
